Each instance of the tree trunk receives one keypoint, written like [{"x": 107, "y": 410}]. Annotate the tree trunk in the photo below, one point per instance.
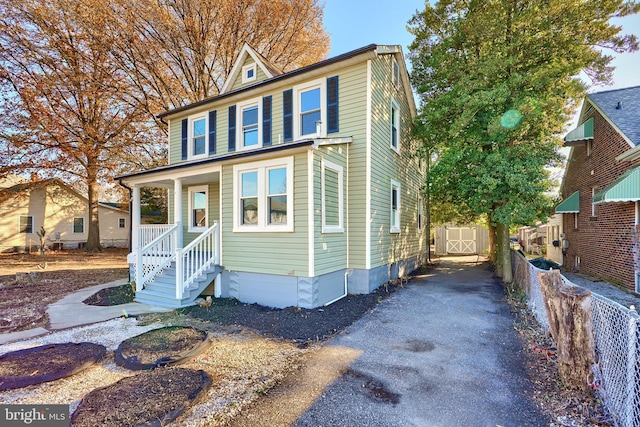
[
  {"x": 505, "y": 252},
  {"x": 492, "y": 242},
  {"x": 498, "y": 260},
  {"x": 569, "y": 313},
  {"x": 93, "y": 236}
]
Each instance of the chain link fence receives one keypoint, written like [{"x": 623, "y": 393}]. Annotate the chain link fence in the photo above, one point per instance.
[{"x": 617, "y": 340}]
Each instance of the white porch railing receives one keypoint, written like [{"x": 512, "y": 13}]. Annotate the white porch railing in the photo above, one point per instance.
[
  {"x": 197, "y": 257},
  {"x": 147, "y": 233},
  {"x": 156, "y": 255}
]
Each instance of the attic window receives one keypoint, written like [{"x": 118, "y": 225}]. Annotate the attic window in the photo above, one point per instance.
[{"x": 249, "y": 73}]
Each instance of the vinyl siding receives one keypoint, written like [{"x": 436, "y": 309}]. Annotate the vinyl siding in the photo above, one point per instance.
[
  {"x": 352, "y": 113},
  {"x": 213, "y": 193},
  {"x": 387, "y": 165},
  {"x": 282, "y": 253}
]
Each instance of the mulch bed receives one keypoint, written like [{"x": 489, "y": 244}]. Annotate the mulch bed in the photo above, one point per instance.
[
  {"x": 151, "y": 398},
  {"x": 161, "y": 347},
  {"x": 299, "y": 325},
  {"x": 115, "y": 295},
  {"x": 49, "y": 362}
]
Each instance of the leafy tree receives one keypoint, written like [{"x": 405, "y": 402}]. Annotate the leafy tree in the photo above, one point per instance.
[
  {"x": 495, "y": 80},
  {"x": 66, "y": 109},
  {"x": 82, "y": 82},
  {"x": 182, "y": 51}
]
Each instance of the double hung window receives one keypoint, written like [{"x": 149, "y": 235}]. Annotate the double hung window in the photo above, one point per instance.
[
  {"x": 198, "y": 208},
  {"x": 78, "y": 225},
  {"x": 26, "y": 224},
  {"x": 310, "y": 113},
  {"x": 395, "y": 126},
  {"x": 264, "y": 196},
  {"x": 395, "y": 207},
  {"x": 198, "y": 136}
]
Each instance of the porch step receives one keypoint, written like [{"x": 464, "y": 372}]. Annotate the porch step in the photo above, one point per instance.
[{"x": 162, "y": 290}]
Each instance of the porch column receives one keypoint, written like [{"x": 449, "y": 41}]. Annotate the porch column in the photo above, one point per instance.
[
  {"x": 135, "y": 218},
  {"x": 177, "y": 208}
]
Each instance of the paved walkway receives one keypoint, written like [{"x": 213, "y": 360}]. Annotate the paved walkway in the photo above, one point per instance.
[
  {"x": 70, "y": 312},
  {"x": 441, "y": 352}
]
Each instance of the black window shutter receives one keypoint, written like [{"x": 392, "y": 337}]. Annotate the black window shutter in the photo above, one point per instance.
[
  {"x": 266, "y": 120},
  {"x": 185, "y": 132},
  {"x": 287, "y": 114},
  {"x": 213, "y": 123},
  {"x": 232, "y": 128},
  {"x": 332, "y": 104}
]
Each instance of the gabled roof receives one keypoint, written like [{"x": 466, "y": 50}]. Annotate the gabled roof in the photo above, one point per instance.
[
  {"x": 621, "y": 107},
  {"x": 368, "y": 51},
  {"x": 247, "y": 51}
]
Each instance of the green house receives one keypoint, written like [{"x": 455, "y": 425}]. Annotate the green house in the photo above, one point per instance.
[{"x": 287, "y": 189}]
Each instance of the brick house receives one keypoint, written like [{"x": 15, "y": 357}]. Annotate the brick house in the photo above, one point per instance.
[{"x": 601, "y": 189}]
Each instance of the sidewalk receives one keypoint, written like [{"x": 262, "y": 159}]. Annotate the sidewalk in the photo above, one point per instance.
[
  {"x": 70, "y": 312},
  {"x": 441, "y": 352}
]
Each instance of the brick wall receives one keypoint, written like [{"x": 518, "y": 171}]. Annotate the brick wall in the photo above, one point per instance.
[{"x": 604, "y": 243}]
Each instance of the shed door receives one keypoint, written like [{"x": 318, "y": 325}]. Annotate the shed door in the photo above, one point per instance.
[{"x": 461, "y": 240}]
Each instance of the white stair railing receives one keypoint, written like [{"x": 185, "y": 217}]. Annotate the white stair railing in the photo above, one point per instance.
[
  {"x": 157, "y": 255},
  {"x": 197, "y": 257}
]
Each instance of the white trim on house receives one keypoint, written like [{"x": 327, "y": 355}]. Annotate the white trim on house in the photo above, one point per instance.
[
  {"x": 311, "y": 212},
  {"x": 237, "y": 67},
  {"x": 368, "y": 136},
  {"x": 262, "y": 168},
  {"x": 332, "y": 228}
]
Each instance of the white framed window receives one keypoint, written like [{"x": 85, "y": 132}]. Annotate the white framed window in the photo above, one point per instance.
[
  {"x": 25, "y": 224},
  {"x": 249, "y": 73},
  {"x": 198, "y": 208},
  {"x": 263, "y": 200},
  {"x": 78, "y": 225},
  {"x": 395, "y": 207},
  {"x": 198, "y": 128},
  {"x": 249, "y": 125},
  {"x": 394, "y": 125},
  {"x": 309, "y": 106},
  {"x": 593, "y": 206},
  {"x": 122, "y": 222},
  {"x": 332, "y": 198},
  {"x": 395, "y": 72}
]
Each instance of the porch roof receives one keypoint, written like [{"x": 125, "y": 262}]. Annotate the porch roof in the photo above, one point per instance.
[
  {"x": 218, "y": 159},
  {"x": 624, "y": 189},
  {"x": 570, "y": 205}
]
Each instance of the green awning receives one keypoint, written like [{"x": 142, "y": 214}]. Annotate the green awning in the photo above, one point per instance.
[
  {"x": 581, "y": 133},
  {"x": 570, "y": 205},
  {"x": 624, "y": 189}
]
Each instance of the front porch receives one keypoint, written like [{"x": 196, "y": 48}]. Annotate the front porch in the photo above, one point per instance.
[{"x": 172, "y": 264}]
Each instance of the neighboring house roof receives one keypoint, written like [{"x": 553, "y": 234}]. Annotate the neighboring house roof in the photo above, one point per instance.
[
  {"x": 621, "y": 107},
  {"x": 24, "y": 186}
]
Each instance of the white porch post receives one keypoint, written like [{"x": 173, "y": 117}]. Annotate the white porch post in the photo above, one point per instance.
[
  {"x": 177, "y": 210},
  {"x": 135, "y": 219},
  {"x": 135, "y": 234}
]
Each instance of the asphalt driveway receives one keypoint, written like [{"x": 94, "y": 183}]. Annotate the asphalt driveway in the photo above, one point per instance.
[{"x": 442, "y": 352}]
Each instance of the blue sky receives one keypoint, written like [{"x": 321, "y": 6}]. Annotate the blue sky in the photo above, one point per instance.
[{"x": 356, "y": 23}]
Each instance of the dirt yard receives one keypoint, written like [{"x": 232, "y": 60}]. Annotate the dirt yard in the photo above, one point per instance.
[{"x": 53, "y": 276}]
